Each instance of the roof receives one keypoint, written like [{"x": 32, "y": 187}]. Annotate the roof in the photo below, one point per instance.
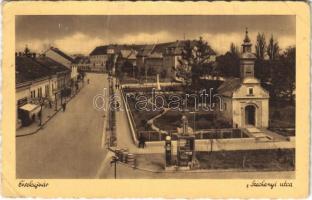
[
  {"x": 248, "y": 55},
  {"x": 125, "y": 53},
  {"x": 52, "y": 65},
  {"x": 29, "y": 107},
  {"x": 61, "y": 53},
  {"x": 145, "y": 51},
  {"x": 27, "y": 69},
  {"x": 128, "y": 54},
  {"x": 81, "y": 60},
  {"x": 251, "y": 80},
  {"x": 229, "y": 86},
  {"x": 100, "y": 50},
  {"x": 133, "y": 55}
]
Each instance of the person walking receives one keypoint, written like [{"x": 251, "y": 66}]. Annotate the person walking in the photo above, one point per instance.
[
  {"x": 141, "y": 141},
  {"x": 64, "y": 106}
]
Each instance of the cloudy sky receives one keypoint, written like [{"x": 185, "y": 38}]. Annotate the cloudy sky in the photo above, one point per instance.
[{"x": 81, "y": 34}]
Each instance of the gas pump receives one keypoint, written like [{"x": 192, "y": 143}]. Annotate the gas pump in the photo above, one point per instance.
[{"x": 168, "y": 151}]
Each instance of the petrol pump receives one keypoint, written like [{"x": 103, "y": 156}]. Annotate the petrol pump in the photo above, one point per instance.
[{"x": 168, "y": 151}]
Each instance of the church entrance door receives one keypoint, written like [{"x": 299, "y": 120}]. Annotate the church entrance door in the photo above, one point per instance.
[{"x": 250, "y": 115}]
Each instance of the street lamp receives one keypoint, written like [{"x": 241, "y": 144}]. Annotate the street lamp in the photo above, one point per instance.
[
  {"x": 114, "y": 161},
  {"x": 194, "y": 120},
  {"x": 40, "y": 113},
  {"x": 55, "y": 93}
]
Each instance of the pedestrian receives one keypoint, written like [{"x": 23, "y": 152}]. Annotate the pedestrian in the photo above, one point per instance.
[
  {"x": 88, "y": 81},
  {"x": 64, "y": 106},
  {"x": 141, "y": 141},
  {"x": 50, "y": 104}
]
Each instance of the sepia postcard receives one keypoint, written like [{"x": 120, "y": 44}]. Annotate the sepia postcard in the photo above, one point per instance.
[{"x": 156, "y": 99}]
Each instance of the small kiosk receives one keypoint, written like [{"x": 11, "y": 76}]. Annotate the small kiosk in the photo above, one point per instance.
[{"x": 28, "y": 113}]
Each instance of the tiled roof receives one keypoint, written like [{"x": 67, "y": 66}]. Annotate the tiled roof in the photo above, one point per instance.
[
  {"x": 100, "y": 50},
  {"x": 61, "y": 53},
  {"x": 27, "y": 69},
  {"x": 125, "y": 53},
  {"x": 145, "y": 51},
  {"x": 229, "y": 86},
  {"x": 52, "y": 65}
]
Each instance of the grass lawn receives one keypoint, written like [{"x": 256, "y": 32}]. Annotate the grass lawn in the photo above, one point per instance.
[
  {"x": 203, "y": 120},
  {"x": 258, "y": 160},
  {"x": 283, "y": 118},
  {"x": 272, "y": 160},
  {"x": 140, "y": 116}
]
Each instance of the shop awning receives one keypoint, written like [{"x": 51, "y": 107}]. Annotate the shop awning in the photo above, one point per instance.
[{"x": 30, "y": 107}]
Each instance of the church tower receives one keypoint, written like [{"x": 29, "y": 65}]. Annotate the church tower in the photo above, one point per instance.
[{"x": 247, "y": 59}]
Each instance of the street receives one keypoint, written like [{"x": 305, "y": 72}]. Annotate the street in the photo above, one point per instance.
[{"x": 69, "y": 146}]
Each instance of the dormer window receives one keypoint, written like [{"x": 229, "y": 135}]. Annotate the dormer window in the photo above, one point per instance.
[{"x": 250, "y": 91}]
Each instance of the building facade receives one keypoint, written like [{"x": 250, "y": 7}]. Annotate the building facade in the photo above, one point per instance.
[
  {"x": 38, "y": 81},
  {"x": 61, "y": 57},
  {"x": 98, "y": 59}
]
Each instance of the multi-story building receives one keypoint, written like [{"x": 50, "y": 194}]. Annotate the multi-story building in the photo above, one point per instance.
[
  {"x": 61, "y": 57},
  {"x": 60, "y": 76},
  {"x": 82, "y": 63},
  {"x": 38, "y": 80},
  {"x": 98, "y": 59}
]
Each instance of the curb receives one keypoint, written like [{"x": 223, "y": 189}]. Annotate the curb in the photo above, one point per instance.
[
  {"x": 44, "y": 123},
  {"x": 200, "y": 170}
]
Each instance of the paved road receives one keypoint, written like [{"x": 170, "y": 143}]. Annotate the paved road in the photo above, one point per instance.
[
  {"x": 69, "y": 146},
  {"x": 126, "y": 172}
]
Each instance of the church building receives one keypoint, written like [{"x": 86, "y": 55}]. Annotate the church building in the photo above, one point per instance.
[{"x": 245, "y": 102}]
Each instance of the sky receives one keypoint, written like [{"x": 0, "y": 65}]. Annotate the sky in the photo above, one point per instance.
[{"x": 81, "y": 34}]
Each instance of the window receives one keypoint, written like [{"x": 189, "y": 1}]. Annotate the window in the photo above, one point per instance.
[
  {"x": 39, "y": 92},
  {"x": 46, "y": 90},
  {"x": 33, "y": 94},
  {"x": 250, "y": 91}
]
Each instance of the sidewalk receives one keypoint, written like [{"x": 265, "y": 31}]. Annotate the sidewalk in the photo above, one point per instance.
[{"x": 47, "y": 115}]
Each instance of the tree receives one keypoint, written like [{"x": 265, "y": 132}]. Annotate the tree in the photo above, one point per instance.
[
  {"x": 228, "y": 64},
  {"x": 284, "y": 74},
  {"x": 234, "y": 49},
  {"x": 260, "y": 46},
  {"x": 195, "y": 54},
  {"x": 26, "y": 51},
  {"x": 273, "y": 49}
]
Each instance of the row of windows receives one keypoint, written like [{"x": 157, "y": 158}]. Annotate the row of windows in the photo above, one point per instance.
[{"x": 38, "y": 93}]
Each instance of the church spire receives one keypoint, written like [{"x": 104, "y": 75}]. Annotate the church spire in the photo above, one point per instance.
[
  {"x": 246, "y": 43},
  {"x": 247, "y": 59}
]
